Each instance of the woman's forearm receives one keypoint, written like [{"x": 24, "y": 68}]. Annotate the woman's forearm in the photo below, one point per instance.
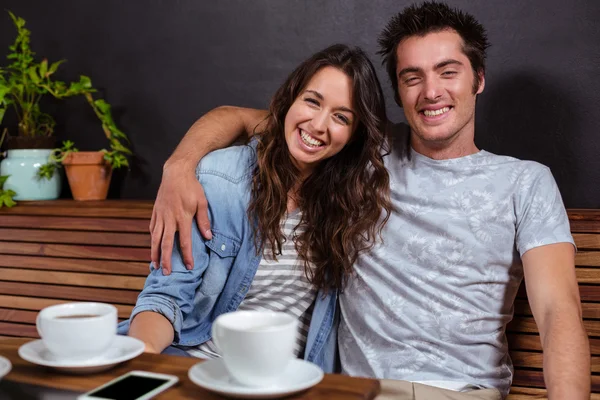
[{"x": 153, "y": 329}]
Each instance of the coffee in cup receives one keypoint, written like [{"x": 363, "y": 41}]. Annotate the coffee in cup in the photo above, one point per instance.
[
  {"x": 256, "y": 346},
  {"x": 77, "y": 330}
]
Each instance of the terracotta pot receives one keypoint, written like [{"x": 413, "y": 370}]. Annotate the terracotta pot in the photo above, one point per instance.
[{"x": 88, "y": 174}]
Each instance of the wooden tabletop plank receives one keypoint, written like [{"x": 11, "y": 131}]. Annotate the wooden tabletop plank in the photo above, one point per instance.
[{"x": 333, "y": 386}]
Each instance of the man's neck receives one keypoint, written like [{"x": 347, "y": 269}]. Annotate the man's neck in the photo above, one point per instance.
[{"x": 443, "y": 150}]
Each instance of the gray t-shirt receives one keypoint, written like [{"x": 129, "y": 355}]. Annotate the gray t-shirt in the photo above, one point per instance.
[{"x": 431, "y": 303}]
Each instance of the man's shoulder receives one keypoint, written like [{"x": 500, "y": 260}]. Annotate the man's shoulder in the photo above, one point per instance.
[
  {"x": 233, "y": 164},
  {"x": 515, "y": 165}
]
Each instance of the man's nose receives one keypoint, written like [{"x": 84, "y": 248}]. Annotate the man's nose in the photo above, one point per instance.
[{"x": 433, "y": 89}]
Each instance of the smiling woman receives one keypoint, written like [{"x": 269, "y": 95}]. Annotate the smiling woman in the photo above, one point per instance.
[
  {"x": 290, "y": 211},
  {"x": 320, "y": 121}
]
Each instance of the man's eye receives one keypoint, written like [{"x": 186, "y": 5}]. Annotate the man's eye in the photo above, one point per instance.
[
  {"x": 411, "y": 80},
  {"x": 449, "y": 73}
]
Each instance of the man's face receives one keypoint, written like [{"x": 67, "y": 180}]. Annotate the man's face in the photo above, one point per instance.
[{"x": 435, "y": 84}]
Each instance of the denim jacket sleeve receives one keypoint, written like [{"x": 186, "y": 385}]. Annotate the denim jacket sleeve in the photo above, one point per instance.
[{"x": 173, "y": 295}]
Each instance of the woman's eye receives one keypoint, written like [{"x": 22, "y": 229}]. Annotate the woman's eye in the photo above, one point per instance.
[
  {"x": 343, "y": 119},
  {"x": 311, "y": 101},
  {"x": 410, "y": 81}
]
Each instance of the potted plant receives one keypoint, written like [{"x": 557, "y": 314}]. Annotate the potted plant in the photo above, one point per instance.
[
  {"x": 6, "y": 195},
  {"x": 23, "y": 83}
]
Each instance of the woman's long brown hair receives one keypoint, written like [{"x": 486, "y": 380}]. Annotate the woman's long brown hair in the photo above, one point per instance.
[{"x": 345, "y": 201}]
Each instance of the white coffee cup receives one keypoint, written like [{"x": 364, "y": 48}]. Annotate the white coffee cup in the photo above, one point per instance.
[
  {"x": 256, "y": 346},
  {"x": 77, "y": 330}
]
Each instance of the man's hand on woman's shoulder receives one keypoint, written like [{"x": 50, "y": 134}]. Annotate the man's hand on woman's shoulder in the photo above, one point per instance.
[{"x": 180, "y": 197}]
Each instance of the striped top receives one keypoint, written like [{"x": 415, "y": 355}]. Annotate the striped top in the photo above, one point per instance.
[{"x": 277, "y": 286}]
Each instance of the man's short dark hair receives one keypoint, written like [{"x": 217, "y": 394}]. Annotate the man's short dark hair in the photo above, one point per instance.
[{"x": 429, "y": 17}]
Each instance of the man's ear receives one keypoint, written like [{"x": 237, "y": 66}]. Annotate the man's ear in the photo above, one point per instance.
[{"x": 481, "y": 76}]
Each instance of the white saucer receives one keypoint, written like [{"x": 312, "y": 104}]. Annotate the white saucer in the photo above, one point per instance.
[
  {"x": 123, "y": 348},
  {"x": 5, "y": 366},
  {"x": 212, "y": 375}
]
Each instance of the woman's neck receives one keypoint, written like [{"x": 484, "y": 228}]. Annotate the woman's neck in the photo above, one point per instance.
[{"x": 292, "y": 198}]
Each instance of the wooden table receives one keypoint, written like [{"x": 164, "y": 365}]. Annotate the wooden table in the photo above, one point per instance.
[{"x": 332, "y": 387}]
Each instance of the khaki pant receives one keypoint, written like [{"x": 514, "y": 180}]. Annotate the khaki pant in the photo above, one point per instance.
[{"x": 403, "y": 390}]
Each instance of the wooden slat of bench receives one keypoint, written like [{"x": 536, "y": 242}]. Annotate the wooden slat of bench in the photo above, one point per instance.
[
  {"x": 533, "y": 378},
  {"x": 526, "y": 393},
  {"x": 75, "y": 237},
  {"x": 588, "y": 275},
  {"x": 532, "y": 342},
  {"x": 531, "y": 359},
  {"x": 76, "y": 265},
  {"x": 587, "y": 241},
  {"x": 76, "y": 251},
  {"x": 61, "y": 292},
  {"x": 75, "y": 223},
  {"x": 36, "y": 304},
  {"x": 15, "y": 329},
  {"x": 584, "y": 220},
  {"x": 527, "y": 324},
  {"x": 585, "y": 227},
  {"x": 101, "y": 209},
  {"x": 22, "y": 316},
  {"x": 73, "y": 279},
  {"x": 587, "y": 258},
  {"x": 589, "y": 310}
]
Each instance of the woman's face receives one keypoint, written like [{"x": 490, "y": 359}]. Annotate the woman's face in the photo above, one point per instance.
[{"x": 321, "y": 120}]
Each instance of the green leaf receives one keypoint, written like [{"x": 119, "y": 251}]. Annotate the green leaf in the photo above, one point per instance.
[
  {"x": 103, "y": 106},
  {"x": 3, "y": 179},
  {"x": 85, "y": 81},
  {"x": 33, "y": 74},
  {"x": 6, "y": 198},
  {"x": 43, "y": 68},
  {"x": 47, "y": 171},
  {"x": 54, "y": 67}
]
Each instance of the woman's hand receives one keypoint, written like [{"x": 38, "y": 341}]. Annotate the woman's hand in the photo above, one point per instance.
[{"x": 180, "y": 197}]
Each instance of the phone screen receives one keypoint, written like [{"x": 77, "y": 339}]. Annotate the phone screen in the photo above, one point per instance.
[{"x": 129, "y": 388}]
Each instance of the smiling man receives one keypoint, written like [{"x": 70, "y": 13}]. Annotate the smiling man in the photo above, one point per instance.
[{"x": 427, "y": 308}]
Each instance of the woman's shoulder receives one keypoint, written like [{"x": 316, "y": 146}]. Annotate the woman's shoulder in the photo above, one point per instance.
[{"x": 234, "y": 164}]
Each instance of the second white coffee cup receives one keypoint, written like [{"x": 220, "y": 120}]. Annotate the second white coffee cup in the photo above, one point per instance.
[
  {"x": 256, "y": 346},
  {"x": 75, "y": 331}
]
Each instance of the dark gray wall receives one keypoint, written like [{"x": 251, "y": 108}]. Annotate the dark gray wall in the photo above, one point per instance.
[{"x": 163, "y": 63}]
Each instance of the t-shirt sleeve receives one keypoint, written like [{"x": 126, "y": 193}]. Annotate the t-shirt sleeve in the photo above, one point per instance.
[{"x": 541, "y": 215}]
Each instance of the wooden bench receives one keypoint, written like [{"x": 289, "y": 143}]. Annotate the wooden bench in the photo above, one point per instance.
[
  {"x": 59, "y": 251},
  {"x": 53, "y": 252},
  {"x": 523, "y": 337}
]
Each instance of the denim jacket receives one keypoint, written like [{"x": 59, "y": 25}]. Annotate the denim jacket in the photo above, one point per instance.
[{"x": 224, "y": 266}]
